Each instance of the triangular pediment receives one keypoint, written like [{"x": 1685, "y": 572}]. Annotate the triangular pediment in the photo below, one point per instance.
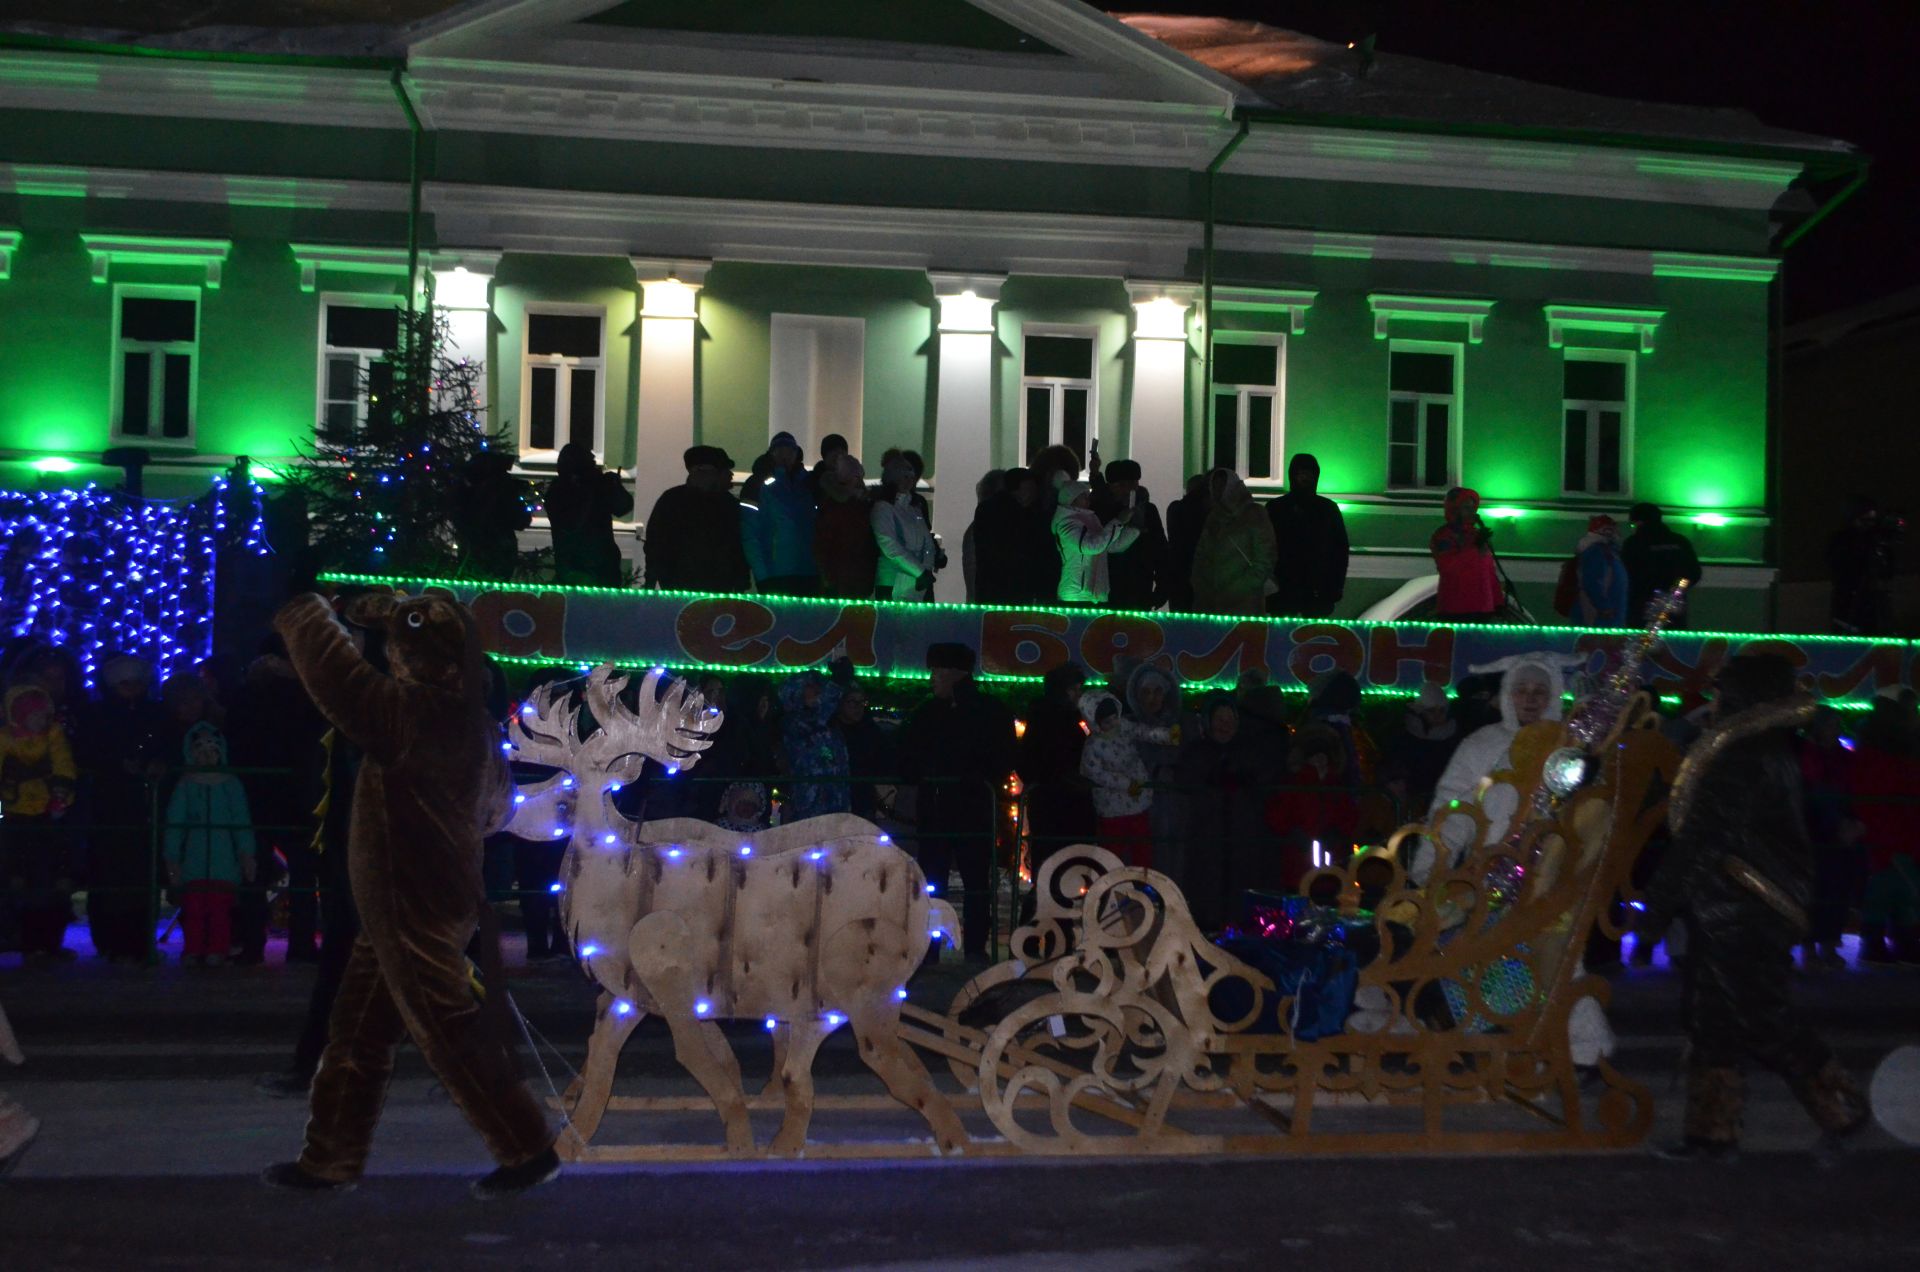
[{"x": 804, "y": 50}]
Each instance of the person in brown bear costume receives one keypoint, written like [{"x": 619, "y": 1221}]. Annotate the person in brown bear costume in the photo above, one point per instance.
[{"x": 434, "y": 783}]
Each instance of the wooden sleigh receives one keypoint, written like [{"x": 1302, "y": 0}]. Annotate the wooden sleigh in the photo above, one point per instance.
[{"x": 1103, "y": 1034}]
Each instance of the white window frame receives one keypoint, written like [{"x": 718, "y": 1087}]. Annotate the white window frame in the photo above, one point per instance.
[
  {"x": 1456, "y": 410},
  {"x": 1241, "y": 451},
  {"x": 1056, "y": 410},
  {"x": 363, "y": 358},
  {"x": 1630, "y": 360},
  {"x": 156, "y": 384},
  {"x": 566, "y": 365}
]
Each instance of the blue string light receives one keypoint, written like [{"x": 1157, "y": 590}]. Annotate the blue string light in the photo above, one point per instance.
[{"x": 99, "y": 572}]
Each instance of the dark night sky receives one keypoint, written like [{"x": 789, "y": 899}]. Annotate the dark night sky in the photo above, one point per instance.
[{"x": 1842, "y": 69}]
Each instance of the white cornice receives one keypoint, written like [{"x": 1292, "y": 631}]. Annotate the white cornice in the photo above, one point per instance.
[
  {"x": 1293, "y": 302},
  {"x": 1388, "y": 307},
  {"x": 1267, "y": 241},
  {"x": 9, "y": 239},
  {"x": 206, "y": 255},
  {"x": 1600, "y": 172},
  {"x": 159, "y": 87},
  {"x": 202, "y": 187},
  {"x": 529, "y": 220},
  {"x": 314, "y": 257},
  {"x": 1641, "y": 323}
]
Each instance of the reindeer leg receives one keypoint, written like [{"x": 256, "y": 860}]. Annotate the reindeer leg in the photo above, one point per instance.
[
  {"x": 587, "y": 1096},
  {"x": 654, "y": 949},
  {"x": 795, "y": 1045},
  {"x": 878, "y": 1030}
]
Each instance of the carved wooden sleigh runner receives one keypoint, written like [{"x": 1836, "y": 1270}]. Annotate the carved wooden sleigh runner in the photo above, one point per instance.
[
  {"x": 1128, "y": 1030},
  {"x": 1104, "y": 1034}
]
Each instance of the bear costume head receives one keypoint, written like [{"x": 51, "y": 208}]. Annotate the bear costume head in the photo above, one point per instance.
[{"x": 431, "y": 639}]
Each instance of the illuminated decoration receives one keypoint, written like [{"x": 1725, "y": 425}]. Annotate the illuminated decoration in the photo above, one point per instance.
[
  {"x": 1564, "y": 771},
  {"x": 100, "y": 573},
  {"x": 9, "y": 240},
  {"x": 815, "y": 955},
  {"x": 53, "y": 464},
  {"x": 1504, "y": 514},
  {"x": 1710, "y": 519},
  {"x": 389, "y": 494},
  {"x": 731, "y": 633}
]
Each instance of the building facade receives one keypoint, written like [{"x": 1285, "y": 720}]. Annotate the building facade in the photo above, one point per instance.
[{"x": 966, "y": 227}]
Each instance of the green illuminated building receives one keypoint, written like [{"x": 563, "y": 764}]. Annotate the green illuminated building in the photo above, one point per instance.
[{"x": 963, "y": 226}]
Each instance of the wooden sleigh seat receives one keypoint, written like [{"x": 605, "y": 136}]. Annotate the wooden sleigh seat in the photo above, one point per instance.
[{"x": 1108, "y": 1008}]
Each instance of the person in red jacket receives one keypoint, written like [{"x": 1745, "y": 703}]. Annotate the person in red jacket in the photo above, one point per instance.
[
  {"x": 1462, "y": 550},
  {"x": 1315, "y": 814},
  {"x": 843, "y": 543}
]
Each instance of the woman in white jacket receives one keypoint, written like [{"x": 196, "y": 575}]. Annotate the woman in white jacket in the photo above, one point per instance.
[
  {"x": 1084, "y": 545},
  {"x": 908, "y": 554}
]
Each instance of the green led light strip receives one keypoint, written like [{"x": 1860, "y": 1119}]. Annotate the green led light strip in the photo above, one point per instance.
[{"x": 382, "y": 580}]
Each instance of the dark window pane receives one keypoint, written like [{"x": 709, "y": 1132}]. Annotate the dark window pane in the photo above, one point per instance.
[
  {"x": 580, "y": 403},
  {"x": 1226, "y": 423},
  {"x": 1039, "y": 421},
  {"x": 379, "y": 384},
  {"x": 1402, "y": 465},
  {"x": 1067, "y": 357},
  {"x": 1403, "y": 423},
  {"x": 362, "y": 326},
  {"x": 343, "y": 379},
  {"x": 1259, "y": 435},
  {"x": 1073, "y": 424},
  {"x": 340, "y": 421},
  {"x": 1422, "y": 373},
  {"x": 1596, "y": 381},
  {"x": 1256, "y": 364},
  {"x": 1576, "y": 455},
  {"x": 176, "y": 402},
  {"x": 541, "y": 408},
  {"x": 1436, "y": 445},
  {"x": 136, "y": 392},
  {"x": 156, "y": 321},
  {"x": 568, "y": 335},
  {"x": 1610, "y": 453}
]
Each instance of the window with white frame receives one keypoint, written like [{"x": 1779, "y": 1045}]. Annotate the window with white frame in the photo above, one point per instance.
[
  {"x": 357, "y": 339},
  {"x": 1423, "y": 382},
  {"x": 561, "y": 377},
  {"x": 1597, "y": 412},
  {"x": 1057, "y": 403},
  {"x": 156, "y": 337},
  {"x": 1247, "y": 405}
]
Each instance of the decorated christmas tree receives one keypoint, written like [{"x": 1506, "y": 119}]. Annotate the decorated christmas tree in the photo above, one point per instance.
[{"x": 394, "y": 493}]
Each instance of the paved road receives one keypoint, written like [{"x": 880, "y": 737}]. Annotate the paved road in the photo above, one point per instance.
[{"x": 154, "y": 1134}]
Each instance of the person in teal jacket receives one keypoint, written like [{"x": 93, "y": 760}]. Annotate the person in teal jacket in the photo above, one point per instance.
[
  {"x": 776, "y": 526},
  {"x": 209, "y": 846}
]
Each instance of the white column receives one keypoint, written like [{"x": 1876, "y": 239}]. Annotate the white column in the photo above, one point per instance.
[
  {"x": 462, "y": 285},
  {"x": 1157, "y": 429},
  {"x": 669, "y": 318},
  {"x": 963, "y": 410}
]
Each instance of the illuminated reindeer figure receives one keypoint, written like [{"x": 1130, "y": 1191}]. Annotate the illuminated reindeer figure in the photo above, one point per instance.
[{"x": 807, "y": 926}]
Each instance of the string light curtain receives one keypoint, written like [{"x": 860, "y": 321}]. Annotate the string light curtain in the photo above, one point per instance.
[{"x": 101, "y": 573}]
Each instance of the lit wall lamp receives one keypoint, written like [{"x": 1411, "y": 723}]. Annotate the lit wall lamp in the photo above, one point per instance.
[{"x": 670, "y": 289}]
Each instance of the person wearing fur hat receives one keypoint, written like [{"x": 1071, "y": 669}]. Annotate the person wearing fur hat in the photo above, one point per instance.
[
  {"x": 776, "y": 529},
  {"x": 1602, "y": 598},
  {"x": 1233, "y": 562},
  {"x": 1463, "y": 553},
  {"x": 1085, "y": 544},
  {"x": 1739, "y": 872},
  {"x": 693, "y": 533},
  {"x": 909, "y": 556},
  {"x": 1111, "y": 762},
  {"x": 959, "y": 746}
]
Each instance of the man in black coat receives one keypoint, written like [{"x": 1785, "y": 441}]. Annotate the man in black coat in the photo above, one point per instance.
[
  {"x": 693, "y": 533},
  {"x": 1739, "y": 869},
  {"x": 959, "y": 745},
  {"x": 1013, "y": 554},
  {"x": 1656, "y": 557},
  {"x": 582, "y": 501},
  {"x": 1138, "y": 575},
  {"x": 1185, "y": 518},
  {"x": 1311, "y": 536}
]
